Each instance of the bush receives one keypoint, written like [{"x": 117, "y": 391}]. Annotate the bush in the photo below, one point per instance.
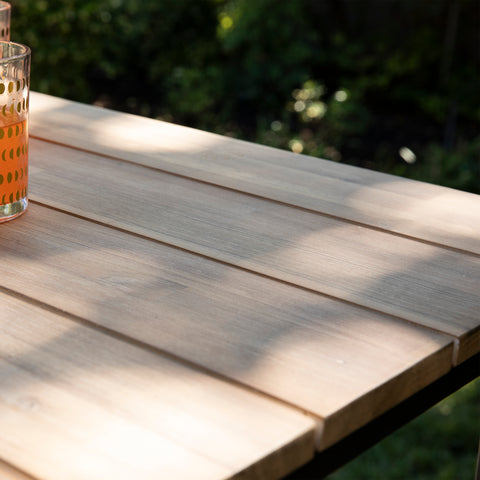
[{"x": 386, "y": 75}]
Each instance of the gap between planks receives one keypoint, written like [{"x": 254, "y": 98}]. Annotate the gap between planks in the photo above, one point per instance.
[
  {"x": 254, "y": 195},
  {"x": 34, "y": 354},
  {"x": 456, "y": 340},
  {"x": 93, "y": 235},
  {"x": 164, "y": 353}
]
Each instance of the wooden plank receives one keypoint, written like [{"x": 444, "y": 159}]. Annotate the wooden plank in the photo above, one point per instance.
[
  {"x": 425, "y": 284},
  {"x": 364, "y": 438},
  {"x": 436, "y": 214},
  {"x": 341, "y": 363},
  {"x": 76, "y": 404}
]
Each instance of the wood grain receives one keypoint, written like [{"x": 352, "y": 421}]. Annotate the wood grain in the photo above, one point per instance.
[
  {"x": 77, "y": 404},
  {"x": 432, "y": 286},
  {"x": 433, "y": 213},
  {"x": 323, "y": 356}
]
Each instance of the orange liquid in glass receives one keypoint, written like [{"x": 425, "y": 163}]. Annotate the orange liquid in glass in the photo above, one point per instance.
[{"x": 13, "y": 162}]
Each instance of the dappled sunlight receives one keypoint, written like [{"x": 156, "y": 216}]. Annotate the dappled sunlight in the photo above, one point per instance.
[
  {"x": 180, "y": 304},
  {"x": 44, "y": 103},
  {"x": 328, "y": 255},
  {"x": 288, "y": 339},
  {"x": 104, "y": 443},
  {"x": 324, "y": 254},
  {"x": 267, "y": 278},
  {"x": 103, "y": 128},
  {"x": 449, "y": 212},
  {"x": 380, "y": 200},
  {"x": 134, "y": 445},
  {"x": 149, "y": 136},
  {"x": 330, "y": 350},
  {"x": 137, "y": 411}
]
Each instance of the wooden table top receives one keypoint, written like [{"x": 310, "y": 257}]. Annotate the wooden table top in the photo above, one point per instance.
[{"x": 177, "y": 304}]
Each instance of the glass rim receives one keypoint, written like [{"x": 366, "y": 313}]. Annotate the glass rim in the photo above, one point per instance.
[
  {"x": 5, "y": 6},
  {"x": 24, "y": 51}
]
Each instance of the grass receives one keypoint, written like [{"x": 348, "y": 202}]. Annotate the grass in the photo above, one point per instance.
[{"x": 440, "y": 444}]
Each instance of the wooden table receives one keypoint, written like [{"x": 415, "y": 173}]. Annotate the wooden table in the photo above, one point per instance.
[{"x": 180, "y": 305}]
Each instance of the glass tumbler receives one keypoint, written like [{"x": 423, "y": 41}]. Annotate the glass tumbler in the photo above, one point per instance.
[
  {"x": 5, "y": 13},
  {"x": 14, "y": 99}
]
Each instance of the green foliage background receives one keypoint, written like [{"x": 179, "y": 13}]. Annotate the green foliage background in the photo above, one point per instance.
[{"x": 408, "y": 71}]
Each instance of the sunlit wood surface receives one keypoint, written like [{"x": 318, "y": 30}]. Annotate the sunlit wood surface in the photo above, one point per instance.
[{"x": 176, "y": 304}]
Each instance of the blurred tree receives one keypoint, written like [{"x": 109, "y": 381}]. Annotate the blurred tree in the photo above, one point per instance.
[
  {"x": 409, "y": 70},
  {"x": 269, "y": 49}
]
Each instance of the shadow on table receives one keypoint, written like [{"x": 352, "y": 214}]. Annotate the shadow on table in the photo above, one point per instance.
[{"x": 253, "y": 290}]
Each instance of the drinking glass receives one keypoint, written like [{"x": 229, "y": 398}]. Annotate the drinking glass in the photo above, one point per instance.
[
  {"x": 14, "y": 98},
  {"x": 5, "y": 11}
]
